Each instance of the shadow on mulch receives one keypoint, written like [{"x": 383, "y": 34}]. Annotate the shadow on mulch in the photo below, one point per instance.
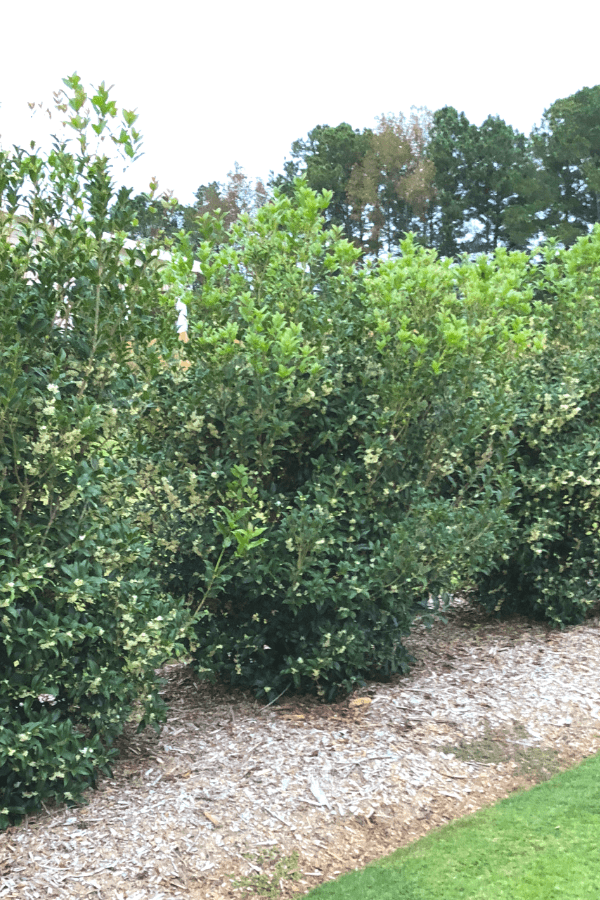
[{"x": 459, "y": 627}]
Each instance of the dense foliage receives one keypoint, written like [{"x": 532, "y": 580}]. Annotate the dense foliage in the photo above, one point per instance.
[
  {"x": 551, "y": 570},
  {"x": 334, "y": 424},
  {"x": 83, "y": 623},
  {"x": 340, "y": 445}
]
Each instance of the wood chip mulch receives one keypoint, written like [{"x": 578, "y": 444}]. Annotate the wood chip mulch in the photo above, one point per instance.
[{"x": 236, "y": 800}]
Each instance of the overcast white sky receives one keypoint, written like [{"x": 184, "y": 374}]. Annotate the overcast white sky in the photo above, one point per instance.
[{"x": 239, "y": 81}]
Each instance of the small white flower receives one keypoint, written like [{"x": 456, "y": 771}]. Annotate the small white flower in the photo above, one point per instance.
[{"x": 47, "y": 698}]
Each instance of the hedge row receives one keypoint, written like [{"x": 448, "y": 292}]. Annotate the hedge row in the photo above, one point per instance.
[{"x": 338, "y": 444}]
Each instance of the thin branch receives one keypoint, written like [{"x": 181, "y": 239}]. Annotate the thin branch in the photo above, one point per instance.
[{"x": 271, "y": 702}]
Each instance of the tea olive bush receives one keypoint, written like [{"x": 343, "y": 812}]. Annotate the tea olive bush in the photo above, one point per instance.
[
  {"x": 83, "y": 623},
  {"x": 344, "y": 431},
  {"x": 551, "y": 569}
]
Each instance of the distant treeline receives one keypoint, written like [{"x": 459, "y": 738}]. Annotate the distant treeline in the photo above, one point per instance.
[{"x": 459, "y": 187}]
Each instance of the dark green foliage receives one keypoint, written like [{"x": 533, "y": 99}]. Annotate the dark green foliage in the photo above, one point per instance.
[
  {"x": 447, "y": 218},
  {"x": 567, "y": 146},
  {"x": 83, "y": 624},
  {"x": 488, "y": 189},
  {"x": 147, "y": 216},
  {"x": 501, "y": 181},
  {"x": 459, "y": 186},
  {"x": 160, "y": 217},
  {"x": 552, "y": 569}
]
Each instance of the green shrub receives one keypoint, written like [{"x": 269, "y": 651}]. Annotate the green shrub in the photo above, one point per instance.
[
  {"x": 551, "y": 569},
  {"x": 343, "y": 431},
  {"x": 83, "y": 623}
]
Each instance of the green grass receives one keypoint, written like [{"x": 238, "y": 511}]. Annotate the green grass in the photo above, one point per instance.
[{"x": 541, "y": 844}]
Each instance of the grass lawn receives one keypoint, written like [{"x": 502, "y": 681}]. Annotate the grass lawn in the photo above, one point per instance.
[{"x": 541, "y": 844}]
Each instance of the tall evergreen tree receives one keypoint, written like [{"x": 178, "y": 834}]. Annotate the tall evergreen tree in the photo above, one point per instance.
[
  {"x": 500, "y": 176},
  {"x": 449, "y": 152},
  {"x": 326, "y": 159},
  {"x": 487, "y": 189},
  {"x": 567, "y": 145}
]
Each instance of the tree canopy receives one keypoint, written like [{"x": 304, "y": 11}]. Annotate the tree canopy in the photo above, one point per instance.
[{"x": 457, "y": 186}]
